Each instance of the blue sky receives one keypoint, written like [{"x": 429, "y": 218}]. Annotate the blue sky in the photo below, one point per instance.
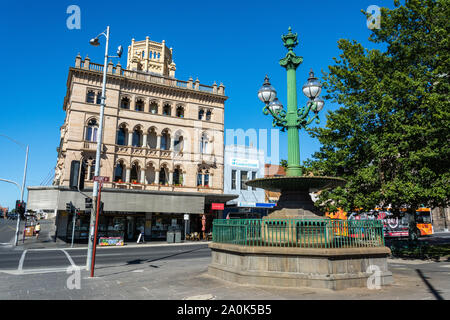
[{"x": 234, "y": 42}]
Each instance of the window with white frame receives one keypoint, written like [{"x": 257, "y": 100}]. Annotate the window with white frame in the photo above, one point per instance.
[
  {"x": 244, "y": 178},
  {"x": 91, "y": 131}
]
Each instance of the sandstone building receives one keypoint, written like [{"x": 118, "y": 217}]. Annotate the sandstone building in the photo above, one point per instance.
[{"x": 163, "y": 143}]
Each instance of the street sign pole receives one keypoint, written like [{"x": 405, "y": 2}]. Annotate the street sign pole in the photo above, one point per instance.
[
  {"x": 98, "y": 153},
  {"x": 100, "y": 181},
  {"x": 73, "y": 226}
]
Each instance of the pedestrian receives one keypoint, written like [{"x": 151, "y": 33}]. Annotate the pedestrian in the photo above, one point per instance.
[{"x": 37, "y": 229}]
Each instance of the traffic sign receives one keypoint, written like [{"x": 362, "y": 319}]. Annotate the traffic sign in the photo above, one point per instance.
[{"x": 101, "y": 179}]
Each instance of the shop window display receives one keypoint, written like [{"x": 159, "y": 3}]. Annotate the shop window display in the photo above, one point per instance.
[
  {"x": 161, "y": 223},
  {"x": 117, "y": 227},
  {"x": 81, "y": 228}
]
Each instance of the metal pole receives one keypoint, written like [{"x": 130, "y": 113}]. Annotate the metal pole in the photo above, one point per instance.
[
  {"x": 96, "y": 229},
  {"x": 97, "y": 159},
  {"x": 73, "y": 227},
  {"x": 16, "y": 239}
]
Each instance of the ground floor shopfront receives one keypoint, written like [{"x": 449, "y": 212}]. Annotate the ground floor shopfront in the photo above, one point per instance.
[
  {"x": 127, "y": 213},
  {"x": 128, "y": 227}
]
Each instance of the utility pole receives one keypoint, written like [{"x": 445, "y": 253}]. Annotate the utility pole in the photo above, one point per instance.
[
  {"x": 93, "y": 222},
  {"x": 16, "y": 238}
]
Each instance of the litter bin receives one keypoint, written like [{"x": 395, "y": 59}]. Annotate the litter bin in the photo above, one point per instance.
[
  {"x": 170, "y": 237},
  {"x": 177, "y": 236}
]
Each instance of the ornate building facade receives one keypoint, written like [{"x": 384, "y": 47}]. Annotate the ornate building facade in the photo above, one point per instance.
[
  {"x": 159, "y": 133},
  {"x": 163, "y": 146}
]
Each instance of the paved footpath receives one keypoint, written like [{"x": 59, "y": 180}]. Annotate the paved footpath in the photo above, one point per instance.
[
  {"x": 184, "y": 276},
  {"x": 188, "y": 279}
]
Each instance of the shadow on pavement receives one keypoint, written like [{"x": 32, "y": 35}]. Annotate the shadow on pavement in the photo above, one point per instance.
[
  {"x": 433, "y": 291},
  {"x": 141, "y": 261}
]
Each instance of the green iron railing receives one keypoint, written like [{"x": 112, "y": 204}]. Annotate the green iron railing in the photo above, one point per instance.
[{"x": 304, "y": 233}]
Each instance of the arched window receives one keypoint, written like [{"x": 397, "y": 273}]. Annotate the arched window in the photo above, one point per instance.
[
  {"x": 119, "y": 172},
  {"x": 203, "y": 177},
  {"x": 201, "y": 113},
  {"x": 125, "y": 103},
  {"x": 163, "y": 176},
  {"x": 199, "y": 179},
  {"x": 150, "y": 174},
  {"x": 165, "y": 141},
  {"x": 90, "y": 96},
  {"x": 206, "y": 179},
  {"x": 122, "y": 136},
  {"x": 139, "y": 105},
  {"x": 153, "y": 107},
  {"x": 134, "y": 173},
  {"x": 177, "y": 176},
  {"x": 204, "y": 144},
  {"x": 178, "y": 143},
  {"x": 167, "y": 110},
  {"x": 180, "y": 112},
  {"x": 137, "y": 138},
  {"x": 208, "y": 115},
  {"x": 152, "y": 139},
  {"x": 91, "y": 131}
]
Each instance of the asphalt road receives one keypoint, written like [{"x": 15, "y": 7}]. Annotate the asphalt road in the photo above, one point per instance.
[
  {"x": 47, "y": 260},
  {"x": 7, "y": 230}
]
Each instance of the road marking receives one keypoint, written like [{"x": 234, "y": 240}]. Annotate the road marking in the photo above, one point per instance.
[
  {"x": 36, "y": 271},
  {"x": 22, "y": 258},
  {"x": 132, "y": 246},
  {"x": 68, "y": 257},
  {"x": 201, "y": 297}
]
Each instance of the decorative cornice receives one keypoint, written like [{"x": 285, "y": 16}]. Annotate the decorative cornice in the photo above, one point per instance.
[{"x": 178, "y": 90}]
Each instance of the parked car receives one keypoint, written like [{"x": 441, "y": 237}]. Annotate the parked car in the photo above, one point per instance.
[{"x": 12, "y": 216}]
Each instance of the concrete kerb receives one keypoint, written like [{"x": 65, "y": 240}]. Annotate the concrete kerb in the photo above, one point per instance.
[{"x": 158, "y": 244}]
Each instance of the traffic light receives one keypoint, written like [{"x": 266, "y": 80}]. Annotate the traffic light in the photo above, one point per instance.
[
  {"x": 77, "y": 173},
  {"x": 20, "y": 209},
  {"x": 69, "y": 207},
  {"x": 88, "y": 203}
]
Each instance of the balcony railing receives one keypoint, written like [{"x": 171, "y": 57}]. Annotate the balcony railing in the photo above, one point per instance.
[
  {"x": 144, "y": 76},
  {"x": 89, "y": 145}
]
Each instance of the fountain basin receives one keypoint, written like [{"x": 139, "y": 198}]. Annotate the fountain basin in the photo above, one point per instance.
[{"x": 281, "y": 184}]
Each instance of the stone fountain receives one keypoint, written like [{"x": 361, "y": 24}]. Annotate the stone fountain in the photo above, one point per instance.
[{"x": 295, "y": 245}]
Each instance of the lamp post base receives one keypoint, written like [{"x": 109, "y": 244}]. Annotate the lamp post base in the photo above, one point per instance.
[{"x": 294, "y": 204}]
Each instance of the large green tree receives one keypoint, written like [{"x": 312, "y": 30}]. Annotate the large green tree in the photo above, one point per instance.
[{"x": 390, "y": 137}]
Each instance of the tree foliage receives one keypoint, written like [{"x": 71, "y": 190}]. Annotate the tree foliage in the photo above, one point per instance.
[{"x": 390, "y": 137}]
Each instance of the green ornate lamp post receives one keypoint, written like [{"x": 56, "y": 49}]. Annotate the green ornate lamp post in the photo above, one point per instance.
[
  {"x": 309, "y": 248},
  {"x": 294, "y": 118}
]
